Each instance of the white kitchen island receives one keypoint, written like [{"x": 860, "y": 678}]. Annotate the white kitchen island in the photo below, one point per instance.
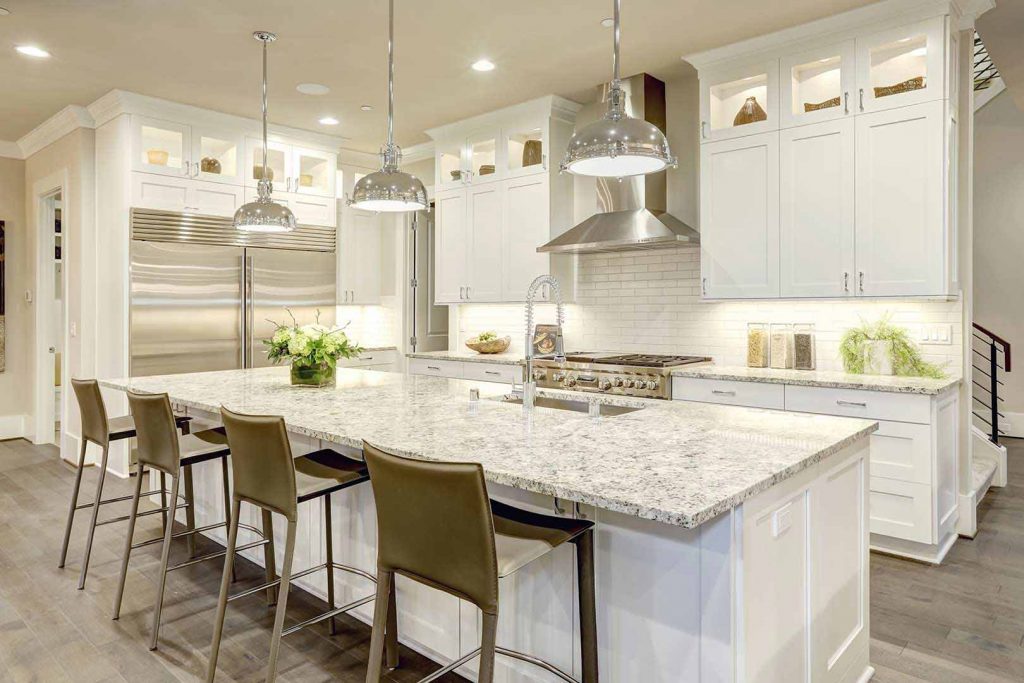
[{"x": 732, "y": 543}]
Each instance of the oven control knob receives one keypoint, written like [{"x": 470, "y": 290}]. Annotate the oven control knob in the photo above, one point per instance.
[
  {"x": 570, "y": 381},
  {"x": 604, "y": 384},
  {"x": 628, "y": 383},
  {"x": 618, "y": 382},
  {"x": 538, "y": 374},
  {"x": 651, "y": 385},
  {"x": 558, "y": 376}
]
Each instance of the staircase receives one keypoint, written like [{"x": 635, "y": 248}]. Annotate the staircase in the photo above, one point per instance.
[
  {"x": 991, "y": 357},
  {"x": 987, "y": 81}
]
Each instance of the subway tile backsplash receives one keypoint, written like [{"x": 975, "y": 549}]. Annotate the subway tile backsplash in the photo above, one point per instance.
[{"x": 650, "y": 301}]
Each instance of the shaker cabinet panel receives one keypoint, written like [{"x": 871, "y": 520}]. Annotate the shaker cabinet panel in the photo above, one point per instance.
[
  {"x": 901, "y": 241},
  {"x": 901, "y": 66},
  {"x": 359, "y": 257},
  {"x": 816, "y": 225},
  {"x": 739, "y": 192},
  {"x": 451, "y": 250},
  {"x": 484, "y": 221},
  {"x": 527, "y": 225}
]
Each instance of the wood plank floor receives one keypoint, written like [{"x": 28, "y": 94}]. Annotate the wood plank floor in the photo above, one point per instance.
[{"x": 962, "y": 622}]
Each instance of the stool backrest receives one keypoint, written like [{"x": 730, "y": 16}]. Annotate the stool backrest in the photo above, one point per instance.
[
  {"x": 156, "y": 431},
  {"x": 262, "y": 468},
  {"x": 95, "y": 427},
  {"x": 434, "y": 524}
]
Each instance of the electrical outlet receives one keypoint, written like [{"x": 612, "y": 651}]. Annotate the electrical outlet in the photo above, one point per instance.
[{"x": 936, "y": 334}]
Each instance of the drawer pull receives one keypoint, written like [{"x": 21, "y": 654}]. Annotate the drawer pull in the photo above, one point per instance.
[
  {"x": 855, "y": 404},
  {"x": 719, "y": 392},
  {"x": 433, "y": 367},
  {"x": 491, "y": 372},
  {"x": 367, "y": 357}
]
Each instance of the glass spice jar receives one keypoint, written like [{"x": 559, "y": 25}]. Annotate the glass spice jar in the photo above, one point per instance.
[
  {"x": 757, "y": 345},
  {"x": 782, "y": 346},
  {"x": 803, "y": 346}
]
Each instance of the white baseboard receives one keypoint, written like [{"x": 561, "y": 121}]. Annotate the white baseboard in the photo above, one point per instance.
[
  {"x": 1012, "y": 424},
  {"x": 13, "y": 426}
]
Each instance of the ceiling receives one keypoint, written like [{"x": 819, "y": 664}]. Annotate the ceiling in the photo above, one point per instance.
[{"x": 201, "y": 53}]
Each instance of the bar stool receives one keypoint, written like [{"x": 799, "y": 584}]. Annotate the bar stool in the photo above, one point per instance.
[
  {"x": 100, "y": 430},
  {"x": 436, "y": 526},
  {"x": 265, "y": 474},
  {"x": 160, "y": 449}
]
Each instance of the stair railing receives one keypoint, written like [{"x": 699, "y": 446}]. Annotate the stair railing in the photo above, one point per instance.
[{"x": 991, "y": 354}]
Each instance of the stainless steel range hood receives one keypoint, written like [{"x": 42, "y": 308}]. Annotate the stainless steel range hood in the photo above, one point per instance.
[{"x": 631, "y": 212}]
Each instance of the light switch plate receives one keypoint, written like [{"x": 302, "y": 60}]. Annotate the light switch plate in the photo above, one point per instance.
[{"x": 940, "y": 334}]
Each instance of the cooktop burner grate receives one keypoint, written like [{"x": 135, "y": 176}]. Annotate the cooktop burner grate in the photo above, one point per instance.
[{"x": 648, "y": 360}]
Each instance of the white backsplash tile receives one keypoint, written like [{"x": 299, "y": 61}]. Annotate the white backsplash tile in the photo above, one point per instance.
[
  {"x": 369, "y": 325},
  {"x": 650, "y": 301}
]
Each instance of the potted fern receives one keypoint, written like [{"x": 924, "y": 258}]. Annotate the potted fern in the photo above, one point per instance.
[
  {"x": 881, "y": 348},
  {"x": 313, "y": 350}
]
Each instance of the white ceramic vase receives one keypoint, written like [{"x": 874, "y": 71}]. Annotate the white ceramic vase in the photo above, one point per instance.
[{"x": 878, "y": 357}]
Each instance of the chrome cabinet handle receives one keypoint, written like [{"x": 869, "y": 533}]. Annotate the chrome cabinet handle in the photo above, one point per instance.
[
  {"x": 854, "y": 404},
  {"x": 491, "y": 372},
  {"x": 433, "y": 367},
  {"x": 186, "y": 169},
  {"x": 367, "y": 357},
  {"x": 861, "y": 280},
  {"x": 704, "y": 285},
  {"x": 862, "y": 99},
  {"x": 462, "y": 292},
  {"x": 846, "y": 281},
  {"x": 544, "y": 161},
  {"x": 196, "y": 174},
  {"x": 846, "y": 102},
  {"x": 719, "y": 392},
  {"x": 703, "y": 129},
  {"x": 467, "y": 292}
]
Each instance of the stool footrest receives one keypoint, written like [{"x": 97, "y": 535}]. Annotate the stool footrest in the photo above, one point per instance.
[
  {"x": 299, "y": 575},
  {"x": 154, "y": 511},
  {"x": 327, "y": 615},
  {"x": 529, "y": 659},
  {"x": 121, "y": 499},
  {"x": 197, "y": 530},
  {"x": 216, "y": 554}
]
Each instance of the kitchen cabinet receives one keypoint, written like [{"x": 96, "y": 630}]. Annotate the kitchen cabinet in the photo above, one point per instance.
[
  {"x": 816, "y": 210},
  {"x": 294, "y": 169},
  {"x": 167, "y": 193},
  {"x": 189, "y": 151},
  {"x": 308, "y": 209},
  {"x": 526, "y": 209},
  {"x": 359, "y": 257},
  {"x": 480, "y": 371},
  {"x": 386, "y": 360},
  {"x": 452, "y": 246},
  {"x": 483, "y": 267},
  {"x": 901, "y": 236},
  {"x": 739, "y": 191},
  {"x": 738, "y": 100},
  {"x": 818, "y": 85},
  {"x": 901, "y": 66}
]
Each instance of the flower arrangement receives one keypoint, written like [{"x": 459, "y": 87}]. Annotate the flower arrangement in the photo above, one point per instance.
[
  {"x": 313, "y": 350},
  {"x": 881, "y": 348}
]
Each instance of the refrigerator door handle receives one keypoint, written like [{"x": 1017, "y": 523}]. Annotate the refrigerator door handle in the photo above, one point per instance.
[
  {"x": 251, "y": 312},
  {"x": 243, "y": 313}
]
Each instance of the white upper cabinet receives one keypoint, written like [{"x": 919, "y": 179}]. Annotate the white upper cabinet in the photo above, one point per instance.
[
  {"x": 739, "y": 100},
  {"x": 161, "y": 147},
  {"x": 294, "y": 169},
  {"x": 525, "y": 149},
  {"x": 901, "y": 66},
  {"x": 278, "y": 164},
  {"x": 308, "y": 209},
  {"x": 527, "y": 201},
  {"x": 166, "y": 193},
  {"x": 483, "y": 223},
  {"x": 217, "y": 155},
  {"x": 739, "y": 189},
  {"x": 359, "y": 257},
  {"x": 452, "y": 247},
  {"x": 818, "y": 85},
  {"x": 816, "y": 209},
  {"x": 901, "y": 227}
]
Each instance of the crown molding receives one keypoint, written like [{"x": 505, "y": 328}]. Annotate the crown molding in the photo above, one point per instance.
[
  {"x": 970, "y": 10},
  {"x": 71, "y": 117},
  {"x": 424, "y": 150},
  {"x": 10, "y": 150}
]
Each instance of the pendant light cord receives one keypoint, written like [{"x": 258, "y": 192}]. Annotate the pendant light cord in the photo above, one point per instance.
[
  {"x": 265, "y": 109},
  {"x": 615, "y": 52},
  {"x": 391, "y": 73}
]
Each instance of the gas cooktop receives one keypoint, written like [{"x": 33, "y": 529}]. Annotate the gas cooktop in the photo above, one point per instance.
[
  {"x": 625, "y": 374},
  {"x": 646, "y": 360}
]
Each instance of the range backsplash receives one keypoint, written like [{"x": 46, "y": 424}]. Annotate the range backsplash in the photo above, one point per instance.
[{"x": 650, "y": 301}]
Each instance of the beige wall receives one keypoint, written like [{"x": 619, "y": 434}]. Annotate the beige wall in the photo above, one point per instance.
[
  {"x": 999, "y": 232},
  {"x": 16, "y": 376}
]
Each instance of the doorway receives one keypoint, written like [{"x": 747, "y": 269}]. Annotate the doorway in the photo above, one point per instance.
[
  {"x": 425, "y": 321},
  {"x": 51, "y": 317}
]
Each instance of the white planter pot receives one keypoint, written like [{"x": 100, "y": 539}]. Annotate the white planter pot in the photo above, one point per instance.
[{"x": 878, "y": 358}]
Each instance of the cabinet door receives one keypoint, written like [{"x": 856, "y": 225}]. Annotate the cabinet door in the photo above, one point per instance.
[
  {"x": 160, "y": 146},
  {"x": 816, "y": 209},
  {"x": 738, "y": 101},
  {"x": 525, "y": 148},
  {"x": 313, "y": 210},
  {"x": 451, "y": 247},
  {"x": 739, "y": 210},
  {"x": 360, "y": 244},
  {"x": 901, "y": 238},
  {"x": 527, "y": 225},
  {"x": 482, "y": 155},
  {"x": 818, "y": 85},
  {"x": 278, "y": 161},
  {"x": 901, "y": 66},
  {"x": 313, "y": 172},
  {"x": 215, "y": 199},
  {"x": 483, "y": 225},
  {"x": 217, "y": 155},
  {"x": 151, "y": 191}
]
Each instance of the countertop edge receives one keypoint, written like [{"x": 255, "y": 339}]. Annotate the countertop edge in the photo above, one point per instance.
[
  {"x": 469, "y": 357},
  {"x": 836, "y": 381}
]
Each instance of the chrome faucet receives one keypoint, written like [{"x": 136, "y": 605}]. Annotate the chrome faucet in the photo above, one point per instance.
[{"x": 529, "y": 381}]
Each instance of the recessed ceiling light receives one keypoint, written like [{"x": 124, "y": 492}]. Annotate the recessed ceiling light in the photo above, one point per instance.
[
  {"x": 366, "y": 107},
  {"x": 312, "y": 89},
  {"x": 608, "y": 22},
  {"x": 328, "y": 121},
  {"x": 32, "y": 51},
  {"x": 483, "y": 65}
]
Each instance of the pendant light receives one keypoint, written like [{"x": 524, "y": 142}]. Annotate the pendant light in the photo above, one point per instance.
[
  {"x": 390, "y": 189},
  {"x": 264, "y": 214},
  {"x": 617, "y": 145}
]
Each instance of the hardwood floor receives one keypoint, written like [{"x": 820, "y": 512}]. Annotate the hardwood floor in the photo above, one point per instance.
[{"x": 962, "y": 622}]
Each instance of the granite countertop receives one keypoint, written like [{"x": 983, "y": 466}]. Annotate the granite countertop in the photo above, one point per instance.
[
  {"x": 822, "y": 378},
  {"x": 380, "y": 348},
  {"x": 505, "y": 358},
  {"x": 674, "y": 462}
]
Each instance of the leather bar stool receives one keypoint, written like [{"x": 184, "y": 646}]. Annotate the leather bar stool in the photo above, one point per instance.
[
  {"x": 98, "y": 429},
  {"x": 436, "y": 526},
  {"x": 265, "y": 474},
  {"x": 161, "y": 449}
]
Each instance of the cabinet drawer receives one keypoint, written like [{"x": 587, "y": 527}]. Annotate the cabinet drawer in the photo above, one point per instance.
[
  {"x": 902, "y": 451},
  {"x": 874, "y": 405},
  {"x": 901, "y": 509},
  {"x": 438, "y": 368},
  {"x": 370, "y": 359},
  {"x": 492, "y": 372},
  {"x": 750, "y": 394}
]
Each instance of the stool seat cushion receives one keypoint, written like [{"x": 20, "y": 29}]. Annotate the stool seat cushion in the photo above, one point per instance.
[
  {"x": 195, "y": 449},
  {"x": 124, "y": 427},
  {"x": 522, "y": 536},
  {"x": 326, "y": 471}
]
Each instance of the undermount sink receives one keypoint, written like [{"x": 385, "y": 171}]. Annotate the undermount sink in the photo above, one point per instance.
[{"x": 576, "y": 406}]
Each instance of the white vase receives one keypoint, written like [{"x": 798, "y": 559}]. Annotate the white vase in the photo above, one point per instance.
[{"x": 878, "y": 357}]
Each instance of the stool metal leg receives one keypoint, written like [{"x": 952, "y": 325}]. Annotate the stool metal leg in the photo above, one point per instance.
[
  {"x": 190, "y": 511},
  {"x": 222, "y": 600},
  {"x": 588, "y": 604},
  {"x": 487, "y": 645},
  {"x": 227, "y": 503},
  {"x": 377, "y": 635},
  {"x": 128, "y": 542},
  {"x": 282, "y": 602},
  {"x": 95, "y": 515},
  {"x": 329, "y": 548},
  {"x": 74, "y": 504},
  {"x": 391, "y": 632},
  {"x": 165, "y": 554},
  {"x": 269, "y": 555}
]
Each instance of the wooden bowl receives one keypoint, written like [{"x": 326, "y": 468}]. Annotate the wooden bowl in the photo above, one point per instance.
[
  {"x": 498, "y": 345},
  {"x": 157, "y": 157}
]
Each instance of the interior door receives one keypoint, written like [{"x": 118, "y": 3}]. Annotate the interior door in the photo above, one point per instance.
[
  {"x": 186, "y": 308},
  {"x": 281, "y": 280}
]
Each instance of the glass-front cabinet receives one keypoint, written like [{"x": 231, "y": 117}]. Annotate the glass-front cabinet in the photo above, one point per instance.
[
  {"x": 469, "y": 160},
  {"x": 525, "y": 150},
  {"x": 738, "y": 101},
  {"x": 314, "y": 172},
  {"x": 216, "y": 155},
  {"x": 901, "y": 66},
  {"x": 449, "y": 160},
  {"x": 818, "y": 85},
  {"x": 161, "y": 146},
  {"x": 278, "y": 164},
  {"x": 482, "y": 155}
]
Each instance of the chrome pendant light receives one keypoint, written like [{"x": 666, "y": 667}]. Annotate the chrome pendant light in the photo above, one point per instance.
[
  {"x": 390, "y": 189},
  {"x": 264, "y": 214},
  {"x": 617, "y": 145}
]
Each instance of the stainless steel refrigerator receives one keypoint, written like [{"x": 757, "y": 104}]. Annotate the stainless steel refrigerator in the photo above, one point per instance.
[{"x": 203, "y": 295}]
